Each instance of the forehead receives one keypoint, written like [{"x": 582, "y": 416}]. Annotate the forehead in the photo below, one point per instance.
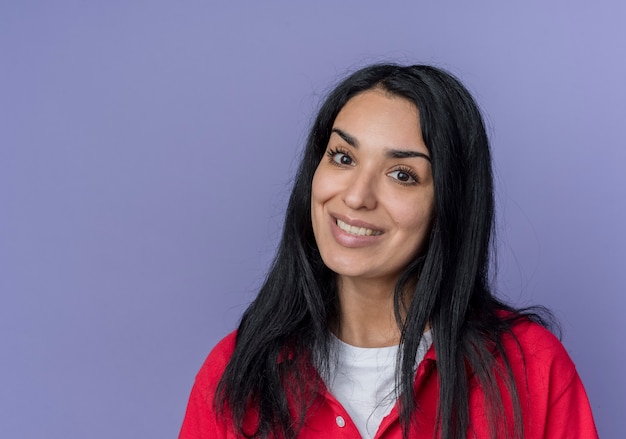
[
  {"x": 379, "y": 101},
  {"x": 379, "y": 118}
]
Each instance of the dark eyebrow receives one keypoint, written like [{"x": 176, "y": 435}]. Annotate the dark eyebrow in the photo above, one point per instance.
[
  {"x": 391, "y": 153},
  {"x": 402, "y": 154},
  {"x": 347, "y": 137}
]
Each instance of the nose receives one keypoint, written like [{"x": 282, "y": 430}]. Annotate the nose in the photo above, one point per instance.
[{"x": 360, "y": 193}]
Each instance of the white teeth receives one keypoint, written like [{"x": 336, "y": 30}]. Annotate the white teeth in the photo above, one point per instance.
[{"x": 359, "y": 231}]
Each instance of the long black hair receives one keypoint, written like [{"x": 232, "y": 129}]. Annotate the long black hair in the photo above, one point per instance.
[{"x": 284, "y": 334}]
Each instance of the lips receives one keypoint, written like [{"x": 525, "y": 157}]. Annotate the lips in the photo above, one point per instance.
[{"x": 355, "y": 230}]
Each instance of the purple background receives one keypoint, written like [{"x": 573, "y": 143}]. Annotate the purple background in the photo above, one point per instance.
[{"x": 146, "y": 151}]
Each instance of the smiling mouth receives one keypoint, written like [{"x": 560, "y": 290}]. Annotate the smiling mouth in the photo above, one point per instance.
[{"x": 357, "y": 231}]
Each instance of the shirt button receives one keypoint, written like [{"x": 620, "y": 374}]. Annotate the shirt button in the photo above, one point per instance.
[{"x": 340, "y": 421}]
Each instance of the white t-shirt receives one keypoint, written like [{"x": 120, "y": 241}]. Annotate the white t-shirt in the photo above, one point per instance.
[{"x": 363, "y": 381}]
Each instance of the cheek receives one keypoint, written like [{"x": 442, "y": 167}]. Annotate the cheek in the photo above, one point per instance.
[
  {"x": 317, "y": 197},
  {"x": 417, "y": 218},
  {"x": 319, "y": 187}
]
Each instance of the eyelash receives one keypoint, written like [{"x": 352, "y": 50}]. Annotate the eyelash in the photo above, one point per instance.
[
  {"x": 332, "y": 153},
  {"x": 410, "y": 173}
]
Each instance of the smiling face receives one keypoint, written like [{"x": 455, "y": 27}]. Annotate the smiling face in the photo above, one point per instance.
[{"x": 372, "y": 194}]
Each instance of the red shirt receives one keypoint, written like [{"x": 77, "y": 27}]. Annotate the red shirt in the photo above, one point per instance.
[{"x": 553, "y": 400}]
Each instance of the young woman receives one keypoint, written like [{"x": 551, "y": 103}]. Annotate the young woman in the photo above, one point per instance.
[{"x": 376, "y": 318}]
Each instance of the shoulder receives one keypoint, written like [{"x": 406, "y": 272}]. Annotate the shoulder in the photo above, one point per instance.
[
  {"x": 201, "y": 421},
  {"x": 536, "y": 342},
  {"x": 540, "y": 357},
  {"x": 213, "y": 367},
  {"x": 222, "y": 351},
  {"x": 552, "y": 396}
]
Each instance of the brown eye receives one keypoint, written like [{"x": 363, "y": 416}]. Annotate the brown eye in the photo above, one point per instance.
[
  {"x": 340, "y": 158},
  {"x": 344, "y": 159},
  {"x": 403, "y": 177}
]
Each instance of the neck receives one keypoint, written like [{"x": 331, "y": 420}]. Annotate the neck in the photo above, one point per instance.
[{"x": 366, "y": 316}]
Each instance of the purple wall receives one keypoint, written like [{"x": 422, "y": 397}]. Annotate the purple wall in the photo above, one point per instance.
[{"x": 146, "y": 150}]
